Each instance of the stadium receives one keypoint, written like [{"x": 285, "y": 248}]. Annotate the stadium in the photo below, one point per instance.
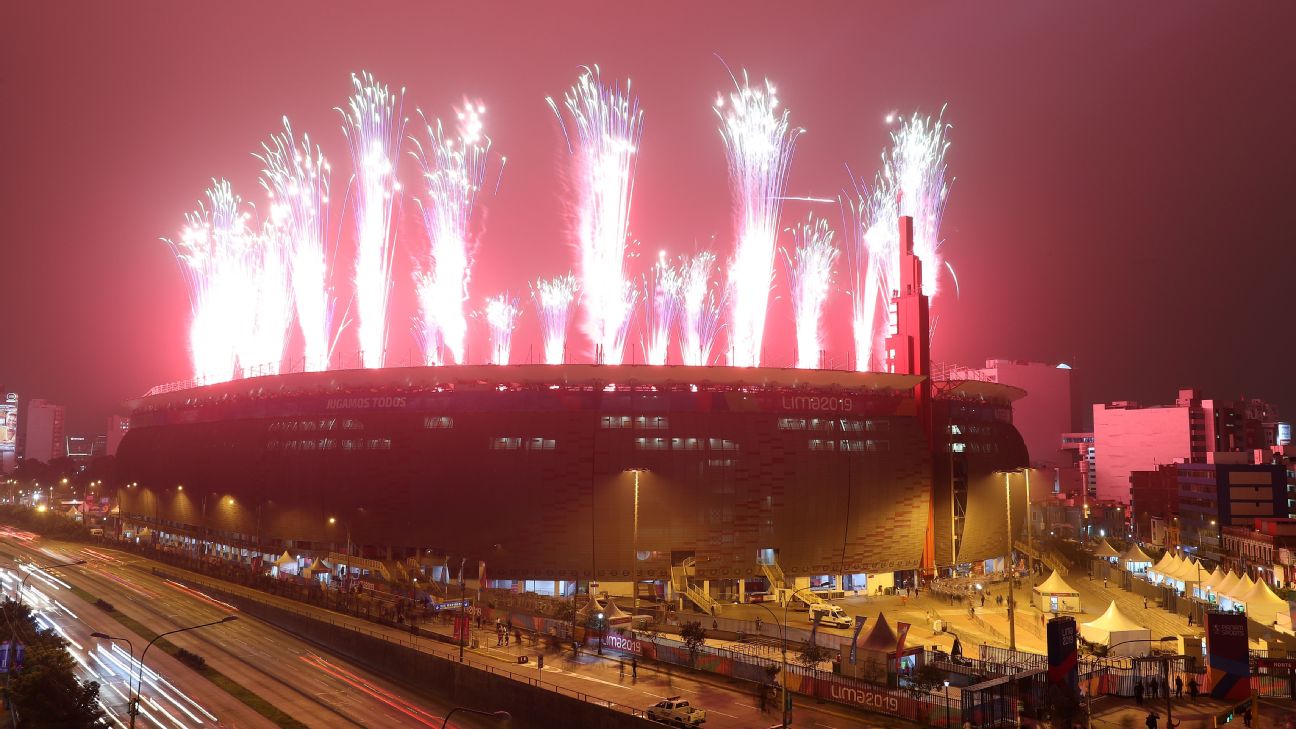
[{"x": 556, "y": 476}]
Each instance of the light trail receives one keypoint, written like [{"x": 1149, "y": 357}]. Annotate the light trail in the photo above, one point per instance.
[
  {"x": 606, "y": 125},
  {"x": 453, "y": 168},
  {"x": 662, "y": 303},
  {"x": 702, "y": 308},
  {"x": 759, "y": 143},
  {"x": 810, "y": 267},
  {"x": 201, "y": 596},
  {"x": 376, "y": 692},
  {"x": 501, "y": 314},
  {"x": 374, "y": 125}
]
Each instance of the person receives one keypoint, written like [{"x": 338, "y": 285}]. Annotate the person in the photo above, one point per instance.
[
  {"x": 1246, "y": 717},
  {"x": 983, "y": 599},
  {"x": 758, "y": 624},
  {"x": 634, "y": 667},
  {"x": 762, "y": 695},
  {"x": 1153, "y": 684},
  {"x": 1145, "y": 603},
  {"x": 1178, "y": 687},
  {"x": 1104, "y": 583},
  {"x": 1138, "y": 692},
  {"x": 1192, "y": 688},
  {"x": 1151, "y": 720},
  {"x": 621, "y": 669}
]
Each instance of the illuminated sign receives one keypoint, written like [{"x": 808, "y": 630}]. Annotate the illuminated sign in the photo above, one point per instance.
[
  {"x": 8, "y": 429},
  {"x": 621, "y": 643},
  {"x": 1284, "y": 434},
  {"x": 364, "y": 403},
  {"x": 815, "y": 402}
]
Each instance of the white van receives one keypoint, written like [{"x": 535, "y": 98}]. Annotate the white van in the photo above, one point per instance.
[{"x": 831, "y": 616}]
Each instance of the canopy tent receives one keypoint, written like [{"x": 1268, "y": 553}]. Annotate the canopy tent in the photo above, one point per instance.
[
  {"x": 1209, "y": 583},
  {"x": 1243, "y": 587},
  {"x": 1163, "y": 563},
  {"x": 1054, "y": 595},
  {"x": 614, "y": 614},
  {"x": 1113, "y": 628},
  {"x": 877, "y": 651},
  {"x": 1188, "y": 571},
  {"x": 1264, "y": 607},
  {"x": 1226, "y": 585},
  {"x": 1135, "y": 559},
  {"x": 286, "y": 564},
  {"x": 1106, "y": 551},
  {"x": 316, "y": 567}
]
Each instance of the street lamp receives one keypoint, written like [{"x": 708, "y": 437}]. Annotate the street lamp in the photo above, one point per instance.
[
  {"x": 634, "y": 562},
  {"x": 500, "y": 715},
  {"x": 140, "y": 668},
  {"x": 783, "y": 643},
  {"x": 104, "y": 636}
]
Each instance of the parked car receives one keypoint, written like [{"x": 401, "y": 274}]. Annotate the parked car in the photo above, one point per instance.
[
  {"x": 830, "y": 615},
  {"x": 677, "y": 712}
]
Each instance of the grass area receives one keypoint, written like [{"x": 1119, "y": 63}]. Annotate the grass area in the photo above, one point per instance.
[{"x": 225, "y": 683}]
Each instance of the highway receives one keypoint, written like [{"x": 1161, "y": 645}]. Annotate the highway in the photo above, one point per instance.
[
  {"x": 312, "y": 687},
  {"x": 728, "y": 705}
]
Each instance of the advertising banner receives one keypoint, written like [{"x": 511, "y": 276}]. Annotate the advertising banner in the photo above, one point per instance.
[
  {"x": 1226, "y": 647},
  {"x": 859, "y": 626},
  {"x": 1063, "y": 657}
]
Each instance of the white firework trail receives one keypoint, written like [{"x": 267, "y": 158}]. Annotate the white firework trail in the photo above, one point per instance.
[
  {"x": 810, "y": 265},
  {"x": 701, "y": 309},
  {"x": 212, "y": 251},
  {"x": 603, "y": 135},
  {"x": 501, "y": 315},
  {"x": 914, "y": 169},
  {"x": 662, "y": 304},
  {"x": 759, "y": 144},
  {"x": 453, "y": 167},
  {"x": 554, "y": 299},
  {"x": 269, "y": 268},
  {"x": 374, "y": 125},
  {"x": 296, "y": 176}
]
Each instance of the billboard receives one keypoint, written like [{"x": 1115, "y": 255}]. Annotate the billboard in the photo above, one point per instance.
[
  {"x": 8, "y": 431},
  {"x": 1063, "y": 656},
  {"x": 1226, "y": 646}
]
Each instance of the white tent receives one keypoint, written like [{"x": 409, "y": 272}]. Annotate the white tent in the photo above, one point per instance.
[
  {"x": 1054, "y": 595},
  {"x": 1243, "y": 587},
  {"x": 1106, "y": 551},
  {"x": 1161, "y": 566},
  {"x": 286, "y": 564},
  {"x": 1226, "y": 585},
  {"x": 1114, "y": 627},
  {"x": 1264, "y": 607},
  {"x": 1210, "y": 583},
  {"x": 1135, "y": 559}
]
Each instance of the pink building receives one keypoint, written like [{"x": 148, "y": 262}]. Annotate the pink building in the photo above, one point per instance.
[
  {"x": 1129, "y": 437},
  {"x": 117, "y": 427},
  {"x": 1044, "y": 414},
  {"x": 43, "y": 430}
]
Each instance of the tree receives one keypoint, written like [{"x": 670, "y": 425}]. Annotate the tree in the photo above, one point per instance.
[
  {"x": 46, "y": 692},
  {"x": 694, "y": 636},
  {"x": 812, "y": 654},
  {"x": 926, "y": 679}
]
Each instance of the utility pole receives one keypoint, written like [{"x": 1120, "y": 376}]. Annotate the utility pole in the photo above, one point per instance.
[{"x": 1012, "y": 600}]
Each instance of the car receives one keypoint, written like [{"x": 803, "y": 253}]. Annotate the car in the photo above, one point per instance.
[
  {"x": 676, "y": 712},
  {"x": 831, "y": 616}
]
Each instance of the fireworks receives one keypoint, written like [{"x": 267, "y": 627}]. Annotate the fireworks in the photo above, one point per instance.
[
  {"x": 374, "y": 125},
  {"x": 759, "y": 144},
  {"x": 501, "y": 314},
  {"x": 662, "y": 299},
  {"x": 453, "y": 167},
  {"x": 268, "y": 266},
  {"x": 810, "y": 265},
  {"x": 914, "y": 169},
  {"x": 701, "y": 308},
  {"x": 603, "y": 139},
  {"x": 554, "y": 299},
  {"x": 297, "y": 180}
]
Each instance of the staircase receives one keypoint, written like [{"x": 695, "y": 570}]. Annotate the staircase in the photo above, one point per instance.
[
  {"x": 778, "y": 581},
  {"x": 681, "y": 585}
]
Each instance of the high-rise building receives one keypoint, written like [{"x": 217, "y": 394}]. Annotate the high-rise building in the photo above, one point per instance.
[
  {"x": 1044, "y": 413},
  {"x": 117, "y": 427},
  {"x": 1154, "y": 499},
  {"x": 1227, "y": 491},
  {"x": 99, "y": 446},
  {"x": 43, "y": 431}
]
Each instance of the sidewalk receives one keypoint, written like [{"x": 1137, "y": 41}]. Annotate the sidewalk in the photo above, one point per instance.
[{"x": 1111, "y": 712}]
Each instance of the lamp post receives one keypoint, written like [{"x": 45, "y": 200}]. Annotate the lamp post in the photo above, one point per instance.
[
  {"x": 1164, "y": 661},
  {"x": 130, "y": 706},
  {"x": 1012, "y": 599},
  {"x": 947, "y": 711},
  {"x": 500, "y": 715},
  {"x": 634, "y": 562},
  {"x": 783, "y": 645},
  {"x": 140, "y": 668}
]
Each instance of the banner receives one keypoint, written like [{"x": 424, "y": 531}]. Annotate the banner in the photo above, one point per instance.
[
  {"x": 462, "y": 562},
  {"x": 859, "y": 626},
  {"x": 902, "y": 632},
  {"x": 1226, "y": 646},
  {"x": 4, "y": 657},
  {"x": 1063, "y": 656}
]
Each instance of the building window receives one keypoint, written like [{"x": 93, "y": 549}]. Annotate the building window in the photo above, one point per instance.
[
  {"x": 437, "y": 422},
  {"x": 686, "y": 444},
  {"x": 349, "y": 424},
  {"x": 722, "y": 444},
  {"x": 650, "y": 444},
  {"x": 541, "y": 444},
  {"x": 506, "y": 444},
  {"x": 615, "y": 421},
  {"x": 380, "y": 444},
  {"x": 817, "y": 444},
  {"x": 651, "y": 422},
  {"x": 822, "y": 424},
  {"x": 791, "y": 423},
  {"x": 851, "y": 445}
]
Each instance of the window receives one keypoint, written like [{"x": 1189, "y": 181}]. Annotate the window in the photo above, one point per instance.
[
  {"x": 506, "y": 444},
  {"x": 651, "y": 422},
  {"x": 791, "y": 424},
  {"x": 722, "y": 444},
  {"x": 817, "y": 444},
  {"x": 958, "y": 447},
  {"x": 615, "y": 421},
  {"x": 686, "y": 444},
  {"x": 650, "y": 444},
  {"x": 541, "y": 444},
  {"x": 380, "y": 444},
  {"x": 851, "y": 445},
  {"x": 822, "y": 424},
  {"x": 437, "y": 422},
  {"x": 349, "y": 424}
]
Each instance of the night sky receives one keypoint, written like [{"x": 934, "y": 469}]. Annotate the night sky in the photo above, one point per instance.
[{"x": 1122, "y": 195}]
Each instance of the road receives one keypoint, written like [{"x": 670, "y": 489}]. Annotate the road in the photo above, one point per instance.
[
  {"x": 729, "y": 705},
  {"x": 314, "y": 688}
]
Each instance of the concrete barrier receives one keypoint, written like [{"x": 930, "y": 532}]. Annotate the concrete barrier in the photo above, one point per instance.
[{"x": 530, "y": 703}]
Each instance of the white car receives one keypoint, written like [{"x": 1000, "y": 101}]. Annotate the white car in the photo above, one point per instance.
[
  {"x": 831, "y": 616},
  {"x": 677, "y": 712}
]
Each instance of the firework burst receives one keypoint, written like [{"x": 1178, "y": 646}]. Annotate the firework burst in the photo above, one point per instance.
[
  {"x": 701, "y": 309},
  {"x": 603, "y": 126},
  {"x": 268, "y": 266},
  {"x": 296, "y": 176},
  {"x": 914, "y": 169},
  {"x": 453, "y": 168},
  {"x": 662, "y": 300},
  {"x": 374, "y": 126},
  {"x": 554, "y": 299},
  {"x": 810, "y": 266},
  {"x": 501, "y": 315},
  {"x": 759, "y": 144}
]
